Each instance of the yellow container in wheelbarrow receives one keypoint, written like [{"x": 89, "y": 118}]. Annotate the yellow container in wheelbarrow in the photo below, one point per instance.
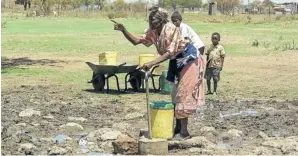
[
  {"x": 108, "y": 58},
  {"x": 144, "y": 58},
  {"x": 162, "y": 118}
]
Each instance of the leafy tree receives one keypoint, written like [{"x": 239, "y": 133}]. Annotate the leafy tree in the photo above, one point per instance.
[
  {"x": 256, "y": 4},
  {"x": 100, "y": 3},
  {"x": 89, "y": 3},
  {"x": 205, "y": 5},
  {"x": 226, "y": 6},
  {"x": 184, "y": 3},
  {"x": 76, "y": 3},
  {"x": 45, "y": 5},
  {"x": 269, "y": 5},
  {"x": 119, "y": 5},
  {"x": 138, "y": 6}
]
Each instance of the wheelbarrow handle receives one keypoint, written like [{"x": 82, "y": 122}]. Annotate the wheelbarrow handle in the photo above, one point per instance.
[
  {"x": 115, "y": 70},
  {"x": 122, "y": 64}
]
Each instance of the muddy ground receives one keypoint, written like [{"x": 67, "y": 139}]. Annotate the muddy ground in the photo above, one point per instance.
[{"x": 233, "y": 127}]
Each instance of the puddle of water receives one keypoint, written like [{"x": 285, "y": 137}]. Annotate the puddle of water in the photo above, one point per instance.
[
  {"x": 240, "y": 113},
  {"x": 276, "y": 133},
  {"x": 20, "y": 132},
  {"x": 60, "y": 138},
  {"x": 251, "y": 112},
  {"x": 83, "y": 144},
  {"x": 223, "y": 145},
  {"x": 79, "y": 136}
]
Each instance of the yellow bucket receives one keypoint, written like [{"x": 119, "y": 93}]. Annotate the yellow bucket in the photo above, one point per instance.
[
  {"x": 162, "y": 118},
  {"x": 145, "y": 58},
  {"x": 108, "y": 58}
]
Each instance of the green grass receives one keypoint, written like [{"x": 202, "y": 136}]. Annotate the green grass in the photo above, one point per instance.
[
  {"x": 249, "y": 71},
  {"x": 27, "y": 72},
  {"x": 81, "y": 36},
  {"x": 54, "y": 74},
  {"x": 67, "y": 36}
]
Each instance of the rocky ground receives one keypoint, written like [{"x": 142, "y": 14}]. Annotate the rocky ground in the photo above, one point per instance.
[{"x": 45, "y": 120}]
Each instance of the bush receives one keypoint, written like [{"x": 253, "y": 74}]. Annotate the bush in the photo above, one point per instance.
[
  {"x": 248, "y": 19},
  {"x": 45, "y": 6},
  {"x": 255, "y": 43},
  {"x": 278, "y": 17},
  {"x": 286, "y": 46},
  {"x": 3, "y": 24}
]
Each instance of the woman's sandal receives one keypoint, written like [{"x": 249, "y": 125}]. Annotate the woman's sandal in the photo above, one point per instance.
[
  {"x": 209, "y": 93},
  {"x": 176, "y": 131},
  {"x": 180, "y": 137}
]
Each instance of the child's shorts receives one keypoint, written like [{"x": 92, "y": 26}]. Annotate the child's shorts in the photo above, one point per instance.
[{"x": 212, "y": 73}]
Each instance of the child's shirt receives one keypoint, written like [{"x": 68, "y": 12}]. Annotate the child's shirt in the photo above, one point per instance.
[
  {"x": 215, "y": 52},
  {"x": 188, "y": 32}
]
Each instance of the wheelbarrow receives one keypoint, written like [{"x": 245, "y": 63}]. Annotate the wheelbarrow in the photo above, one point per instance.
[{"x": 102, "y": 73}]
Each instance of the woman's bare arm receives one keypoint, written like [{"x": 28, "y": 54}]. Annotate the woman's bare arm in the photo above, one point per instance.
[{"x": 149, "y": 65}]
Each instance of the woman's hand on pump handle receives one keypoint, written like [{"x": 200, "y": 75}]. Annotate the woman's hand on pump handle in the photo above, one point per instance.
[{"x": 147, "y": 66}]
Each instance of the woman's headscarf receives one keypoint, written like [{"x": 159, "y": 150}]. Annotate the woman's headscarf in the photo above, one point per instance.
[{"x": 157, "y": 16}]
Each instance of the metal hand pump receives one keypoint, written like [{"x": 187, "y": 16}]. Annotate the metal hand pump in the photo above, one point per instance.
[{"x": 147, "y": 73}]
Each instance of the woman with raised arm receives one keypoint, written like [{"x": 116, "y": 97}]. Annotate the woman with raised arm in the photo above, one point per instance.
[{"x": 185, "y": 67}]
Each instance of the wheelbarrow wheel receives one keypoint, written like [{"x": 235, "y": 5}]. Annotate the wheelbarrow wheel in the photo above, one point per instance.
[
  {"x": 98, "y": 82},
  {"x": 135, "y": 80}
]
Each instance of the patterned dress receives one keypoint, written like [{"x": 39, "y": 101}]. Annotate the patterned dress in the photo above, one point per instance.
[{"x": 190, "y": 90}]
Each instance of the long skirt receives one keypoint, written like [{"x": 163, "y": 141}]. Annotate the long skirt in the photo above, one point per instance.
[{"x": 190, "y": 89}]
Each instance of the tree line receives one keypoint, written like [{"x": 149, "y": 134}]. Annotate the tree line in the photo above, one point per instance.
[{"x": 224, "y": 6}]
